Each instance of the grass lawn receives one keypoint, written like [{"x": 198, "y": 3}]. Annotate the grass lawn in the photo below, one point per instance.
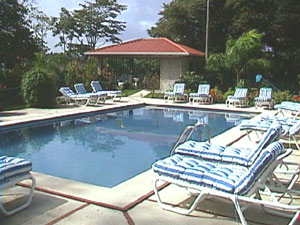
[{"x": 128, "y": 92}]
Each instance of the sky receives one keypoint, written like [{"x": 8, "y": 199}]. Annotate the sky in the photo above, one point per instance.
[{"x": 139, "y": 16}]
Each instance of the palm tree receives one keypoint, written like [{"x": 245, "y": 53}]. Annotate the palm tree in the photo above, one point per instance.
[{"x": 241, "y": 55}]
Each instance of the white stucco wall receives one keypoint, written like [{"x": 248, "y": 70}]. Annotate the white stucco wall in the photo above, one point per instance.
[{"x": 170, "y": 71}]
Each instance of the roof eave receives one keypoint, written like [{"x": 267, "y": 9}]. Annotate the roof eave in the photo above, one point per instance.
[{"x": 140, "y": 53}]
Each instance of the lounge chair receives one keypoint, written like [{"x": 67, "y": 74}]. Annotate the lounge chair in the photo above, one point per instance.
[
  {"x": 115, "y": 95},
  {"x": 291, "y": 127},
  {"x": 177, "y": 95},
  {"x": 80, "y": 89},
  {"x": 239, "y": 98},
  {"x": 202, "y": 96},
  {"x": 218, "y": 153},
  {"x": 264, "y": 98},
  {"x": 287, "y": 108},
  {"x": 78, "y": 99},
  {"x": 236, "y": 183},
  {"x": 12, "y": 171}
]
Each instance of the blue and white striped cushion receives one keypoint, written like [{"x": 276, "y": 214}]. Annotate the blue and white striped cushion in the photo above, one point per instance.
[
  {"x": 229, "y": 178},
  {"x": 80, "y": 88},
  {"x": 66, "y": 91},
  {"x": 11, "y": 166},
  {"x": 293, "y": 106},
  {"x": 204, "y": 150},
  {"x": 96, "y": 86}
]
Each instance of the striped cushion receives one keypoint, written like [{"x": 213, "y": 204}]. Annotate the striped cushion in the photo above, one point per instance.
[
  {"x": 96, "y": 86},
  {"x": 11, "y": 166},
  {"x": 198, "y": 95},
  {"x": 294, "y": 106},
  {"x": 229, "y": 178},
  {"x": 66, "y": 91},
  {"x": 80, "y": 88},
  {"x": 289, "y": 126},
  {"x": 245, "y": 157},
  {"x": 111, "y": 93}
]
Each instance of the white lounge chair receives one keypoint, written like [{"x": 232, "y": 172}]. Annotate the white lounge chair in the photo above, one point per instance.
[
  {"x": 291, "y": 127},
  {"x": 202, "y": 96},
  {"x": 239, "y": 98},
  {"x": 115, "y": 95},
  {"x": 239, "y": 184},
  {"x": 287, "y": 108},
  {"x": 12, "y": 171},
  {"x": 177, "y": 95},
  {"x": 78, "y": 99},
  {"x": 264, "y": 98},
  {"x": 80, "y": 89}
]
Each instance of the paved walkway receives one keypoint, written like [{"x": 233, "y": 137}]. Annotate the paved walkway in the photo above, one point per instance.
[{"x": 61, "y": 201}]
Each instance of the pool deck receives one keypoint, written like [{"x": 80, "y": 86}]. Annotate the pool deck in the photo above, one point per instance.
[{"x": 61, "y": 201}]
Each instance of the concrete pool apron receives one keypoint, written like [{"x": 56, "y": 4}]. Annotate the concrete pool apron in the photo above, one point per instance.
[{"x": 127, "y": 194}]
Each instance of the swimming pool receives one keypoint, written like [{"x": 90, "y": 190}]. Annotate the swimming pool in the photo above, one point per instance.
[{"x": 108, "y": 148}]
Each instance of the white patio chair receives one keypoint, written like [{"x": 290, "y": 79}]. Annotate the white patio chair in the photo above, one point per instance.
[
  {"x": 177, "y": 95},
  {"x": 14, "y": 170},
  {"x": 239, "y": 98},
  {"x": 115, "y": 95},
  {"x": 240, "y": 184},
  {"x": 78, "y": 99},
  {"x": 264, "y": 98},
  {"x": 80, "y": 89},
  {"x": 202, "y": 96}
]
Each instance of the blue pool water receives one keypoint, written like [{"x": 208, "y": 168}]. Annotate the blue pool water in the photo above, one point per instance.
[{"x": 110, "y": 148}]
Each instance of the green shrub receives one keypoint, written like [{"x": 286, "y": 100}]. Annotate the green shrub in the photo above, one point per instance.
[
  {"x": 38, "y": 88},
  {"x": 280, "y": 96},
  {"x": 192, "y": 80},
  {"x": 227, "y": 93},
  {"x": 217, "y": 94}
]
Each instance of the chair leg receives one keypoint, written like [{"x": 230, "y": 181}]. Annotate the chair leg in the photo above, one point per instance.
[
  {"x": 202, "y": 196},
  {"x": 26, "y": 204}
]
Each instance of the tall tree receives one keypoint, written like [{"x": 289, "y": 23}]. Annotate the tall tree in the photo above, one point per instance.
[
  {"x": 278, "y": 21},
  {"x": 184, "y": 21},
  {"x": 17, "y": 42},
  {"x": 93, "y": 24}
]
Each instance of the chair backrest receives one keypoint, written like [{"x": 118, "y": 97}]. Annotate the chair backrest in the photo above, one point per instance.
[
  {"x": 179, "y": 88},
  {"x": 266, "y": 93},
  {"x": 67, "y": 92},
  {"x": 96, "y": 86},
  {"x": 271, "y": 135},
  {"x": 241, "y": 92},
  {"x": 203, "y": 89},
  {"x": 80, "y": 89}
]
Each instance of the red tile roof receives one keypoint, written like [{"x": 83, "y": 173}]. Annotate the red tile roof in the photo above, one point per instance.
[{"x": 147, "y": 47}]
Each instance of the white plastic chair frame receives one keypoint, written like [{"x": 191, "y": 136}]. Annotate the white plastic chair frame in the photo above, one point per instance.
[
  {"x": 203, "y": 95},
  {"x": 264, "y": 98},
  {"x": 13, "y": 181},
  {"x": 253, "y": 196},
  {"x": 80, "y": 89},
  {"x": 96, "y": 86},
  {"x": 239, "y": 99}
]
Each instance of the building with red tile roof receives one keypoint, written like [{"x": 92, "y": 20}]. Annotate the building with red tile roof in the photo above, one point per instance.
[
  {"x": 175, "y": 59},
  {"x": 147, "y": 47}
]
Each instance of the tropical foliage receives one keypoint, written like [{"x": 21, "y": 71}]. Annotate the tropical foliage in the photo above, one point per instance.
[
  {"x": 184, "y": 21},
  {"x": 241, "y": 56}
]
